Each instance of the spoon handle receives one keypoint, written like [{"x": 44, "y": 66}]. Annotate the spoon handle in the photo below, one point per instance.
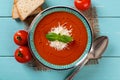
[{"x": 77, "y": 69}]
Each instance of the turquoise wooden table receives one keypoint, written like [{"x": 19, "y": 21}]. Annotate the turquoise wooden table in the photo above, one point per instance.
[{"x": 108, "y": 68}]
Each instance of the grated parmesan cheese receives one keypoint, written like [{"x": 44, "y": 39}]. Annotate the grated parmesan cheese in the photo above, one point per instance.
[
  {"x": 60, "y": 29},
  {"x": 58, "y": 45}
]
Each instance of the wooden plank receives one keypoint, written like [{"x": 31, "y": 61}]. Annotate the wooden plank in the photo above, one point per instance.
[
  {"x": 107, "y": 69},
  {"x": 16, "y": 71},
  {"x": 50, "y": 3},
  {"x": 6, "y": 10},
  {"x": 105, "y": 8},
  {"x": 8, "y": 27},
  {"x": 6, "y": 7},
  {"x": 110, "y": 28}
]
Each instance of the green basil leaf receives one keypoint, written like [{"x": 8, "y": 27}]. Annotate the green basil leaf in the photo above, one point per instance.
[
  {"x": 59, "y": 37},
  {"x": 65, "y": 38},
  {"x": 52, "y": 36}
]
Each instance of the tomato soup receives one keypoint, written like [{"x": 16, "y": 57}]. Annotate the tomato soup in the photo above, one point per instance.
[{"x": 74, "y": 49}]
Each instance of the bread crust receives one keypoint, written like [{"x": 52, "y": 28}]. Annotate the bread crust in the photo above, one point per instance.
[
  {"x": 24, "y": 12},
  {"x": 14, "y": 10},
  {"x": 16, "y": 14}
]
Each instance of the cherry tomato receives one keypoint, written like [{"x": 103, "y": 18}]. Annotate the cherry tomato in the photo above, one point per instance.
[
  {"x": 23, "y": 54},
  {"x": 21, "y": 37},
  {"x": 82, "y": 4}
]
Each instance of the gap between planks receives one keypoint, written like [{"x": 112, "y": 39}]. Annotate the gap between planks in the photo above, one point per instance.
[
  {"x": 5, "y": 16},
  {"x": 93, "y": 17}
]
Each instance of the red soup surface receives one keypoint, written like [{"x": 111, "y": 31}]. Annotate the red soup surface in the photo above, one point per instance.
[{"x": 73, "y": 51}]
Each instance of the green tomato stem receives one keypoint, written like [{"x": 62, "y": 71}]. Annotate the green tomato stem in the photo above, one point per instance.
[
  {"x": 20, "y": 54},
  {"x": 19, "y": 38}
]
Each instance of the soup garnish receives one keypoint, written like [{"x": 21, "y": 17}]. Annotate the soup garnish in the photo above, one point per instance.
[{"x": 59, "y": 37}]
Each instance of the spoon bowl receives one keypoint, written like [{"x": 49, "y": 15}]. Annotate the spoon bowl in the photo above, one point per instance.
[{"x": 97, "y": 49}]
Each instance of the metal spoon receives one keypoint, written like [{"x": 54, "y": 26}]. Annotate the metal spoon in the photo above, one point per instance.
[
  {"x": 97, "y": 49},
  {"x": 100, "y": 46}
]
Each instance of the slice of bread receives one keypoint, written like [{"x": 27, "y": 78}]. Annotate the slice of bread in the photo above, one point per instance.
[
  {"x": 14, "y": 13},
  {"x": 39, "y": 9},
  {"x": 26, "y": 7},
  {"x": 15, "y": 1},
  {"x": 14, "y": 10}
]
